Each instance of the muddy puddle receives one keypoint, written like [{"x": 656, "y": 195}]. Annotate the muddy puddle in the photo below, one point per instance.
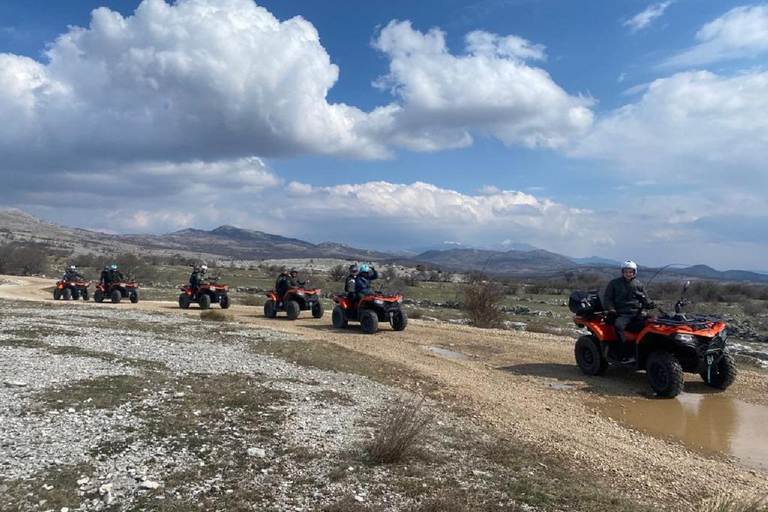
[
  {"x": 705, "y": 423},
  {"x": 444, "y": 352}
]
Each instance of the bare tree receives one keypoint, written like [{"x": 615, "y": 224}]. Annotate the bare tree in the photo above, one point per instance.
[{"x": 337, "y": 272}]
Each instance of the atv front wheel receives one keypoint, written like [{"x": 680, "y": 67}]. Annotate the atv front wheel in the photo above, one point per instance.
[
  {"x": 293, "y": 309},
  {"x": 339, "y": 317},
  {"x": 134, "y": 296},
  {"x": 204, "y": 300},
  {"x": 722, "y": 374},
  {"x": 269, "y": 309},
  {"x": 399, "y": 320},
  {"x": 66, "y": 294},
  {"x": 56, "y": 294},
  {"x": 84, "y": 295},
  {"x": 665, "y": 375},
  {"x": 318, "y": 310},
  {"x": 184, "y": 301},
  {"x": 116, "y": 296},
  {"x": 589, "y": 357},
  {"x": 369, "y": 322},
  {"x": 224, "y": 301},
  {"x": 98, "y": 296}
]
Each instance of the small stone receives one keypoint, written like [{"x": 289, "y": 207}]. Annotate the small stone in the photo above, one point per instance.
[
  {"x": 71, "y": 410},
  {"x": 197, "y": 413},
  {"x": 83, "y": 481},
  {"x": 178, "y": 395},
  {"x": 149, "y": 484},
  {"x": 257, "y": 452},
  {"x": 64, "y": 509},
  {"x": 359, "y": 498},
  {"x": 47, "y": 487},
  {"x": 14, "y": 383}
]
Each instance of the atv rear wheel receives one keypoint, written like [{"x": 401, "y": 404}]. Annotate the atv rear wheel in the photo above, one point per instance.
[
  {"x": 665, "y": 375},
  {"x": 293, "y": 309},
  {"x": 399, "y": 320},
  {"x": 339, "y": 317},
  {"x": 204, "y": 300},
  {"x": 269, "y": 309},
  {"x": 84, "y": 295},
  {"x": 116, "y": 296},
  {"x": 589, "y": 357},
  {"x": 56, "y": 294},
  {"x": 98, "y": 296},
  {"x": 318, "y": 310},
  {"x": 369, "y": 321},
  {"x": 134, "y": 296},
  {"x": 722, "y": 374},
  {"x": 184, "y": 301},
  {"x": 66, "y": 294},
  {"x": 224, "y": 301}
]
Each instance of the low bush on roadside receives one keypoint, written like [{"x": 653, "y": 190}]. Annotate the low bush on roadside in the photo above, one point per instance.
[
  {"x": 482, "y": 302},
  {"x": 214, "y": 315},
  {"x": 404, "y": 426}
]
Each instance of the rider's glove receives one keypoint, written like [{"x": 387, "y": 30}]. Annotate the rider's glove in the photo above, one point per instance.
[{"x": 650, "y": 305}]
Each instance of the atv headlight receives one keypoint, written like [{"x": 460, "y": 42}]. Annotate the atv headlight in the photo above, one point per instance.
[
  {"x": 724, "y": 335},
  {"x": 684, "y": 337},
  {"x": 379, "y": 302},
  {"x": 300, "y": 294},
  {"x": 400, "y": 300}
]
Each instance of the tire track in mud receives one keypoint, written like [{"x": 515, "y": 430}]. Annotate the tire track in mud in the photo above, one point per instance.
[{"x": 527, "y": 386}]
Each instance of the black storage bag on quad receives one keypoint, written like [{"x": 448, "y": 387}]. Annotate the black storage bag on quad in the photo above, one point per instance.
[{"x": 584, "y": 303}]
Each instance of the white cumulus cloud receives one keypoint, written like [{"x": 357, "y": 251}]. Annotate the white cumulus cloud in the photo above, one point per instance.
[
  {"x": 742, "y": 32},
  {"x": 695, "y": 127},
  {"x": 643, "y": 19},
  {"x": 489, "y": 90}
]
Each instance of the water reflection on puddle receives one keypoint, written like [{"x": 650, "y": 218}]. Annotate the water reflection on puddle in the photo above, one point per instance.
[
  {"x": 706, "y": 423},
  {"x": 444, "y": 352}
]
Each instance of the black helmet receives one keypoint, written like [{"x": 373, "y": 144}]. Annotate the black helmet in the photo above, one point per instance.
[
  {"x": 353, "y": 268},
  {"x": 283, "y": 269},
  {"x": 294, "y": 269}
]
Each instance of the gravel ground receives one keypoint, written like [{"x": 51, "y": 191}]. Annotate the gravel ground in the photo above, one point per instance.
[
  {"x": 311, "y": 461},
  {"x": 509, "y": 382}
]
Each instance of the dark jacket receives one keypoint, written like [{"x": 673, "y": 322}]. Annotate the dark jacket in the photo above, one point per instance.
[
  {"x": 349, "y": 283},
  {"x": 626, "y": 297},
  {"x": 295, "y": 282},
  {"x": 281, "y": 284},
  {"x": 72, "y": 276},
  {"x": 363, "y": 284},
  {"x": 113, "y": 276},
  {"x": 196, "y": 279}
]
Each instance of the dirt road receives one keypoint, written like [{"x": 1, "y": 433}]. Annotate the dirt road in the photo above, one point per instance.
[{"x": 527, "y": 386}]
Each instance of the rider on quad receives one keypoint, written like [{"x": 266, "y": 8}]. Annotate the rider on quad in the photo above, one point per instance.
[
  {"x": 72, "y": 275},
  {"x": 349, "y": 282},
  {"x": 197, "y": 277},
  {"x": 625, "y": 298},
  {"x": 363, "y": 280},
  {"x": 111, "y": 276},
  {"x": 281, "y": 283},
  {"x": 294, "y": 281}
]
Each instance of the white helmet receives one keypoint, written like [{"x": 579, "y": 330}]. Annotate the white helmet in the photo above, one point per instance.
[
  {"x": 629, "y": 264},
  {"x": 72, "y": 267},
  {"x": 203, "y": 267}
]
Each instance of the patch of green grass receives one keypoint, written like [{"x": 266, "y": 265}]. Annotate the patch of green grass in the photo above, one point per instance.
[
  {"x": 106, "y": 392},
  {"x": 55, "y": 487}
]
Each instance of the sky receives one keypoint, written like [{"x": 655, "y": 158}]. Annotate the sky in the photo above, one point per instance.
[{"x": 626, "y": 129}]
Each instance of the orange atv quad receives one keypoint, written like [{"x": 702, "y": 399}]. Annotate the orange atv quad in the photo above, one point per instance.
[
  {"x": 117, "y": 291},
  {"x": 665, "y": 346},
  {"x": 369, "y": 310},
  {"x": 71, "y": 290},
  {"x": 208, "y": 293},
  {"x": 293, "y": 302}
]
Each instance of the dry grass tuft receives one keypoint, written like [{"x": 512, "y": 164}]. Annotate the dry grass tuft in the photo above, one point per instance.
[
  {"x": 252, "y": 300},
  {"x": 404, "y": 426},
  {"x": 214, "y": 315},
  {"x": 731, "y": 504}
]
